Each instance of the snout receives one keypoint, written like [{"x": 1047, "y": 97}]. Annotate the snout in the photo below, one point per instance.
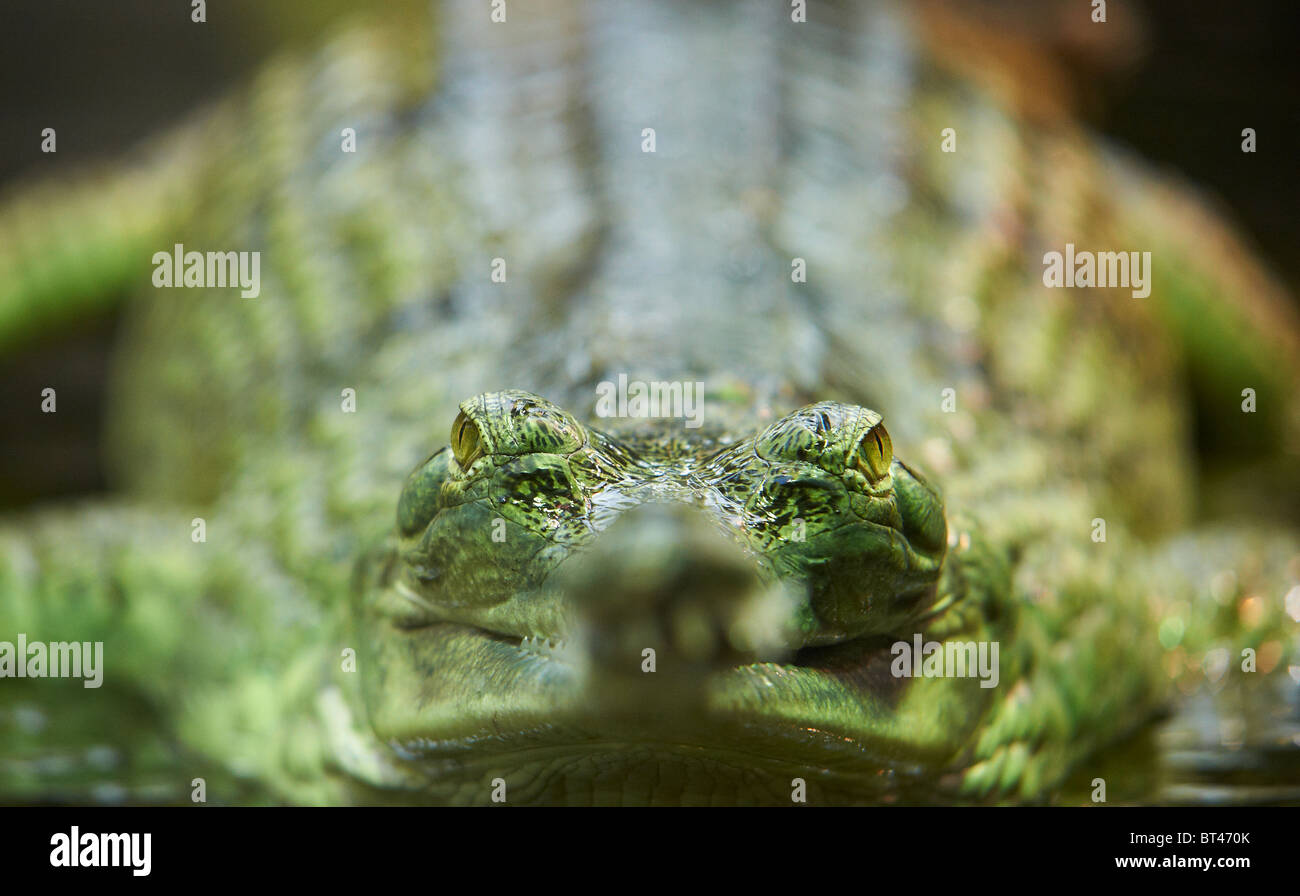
[{"x": 663, "y": 601}]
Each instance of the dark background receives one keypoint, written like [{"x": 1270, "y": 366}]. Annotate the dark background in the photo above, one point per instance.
[{"x": 1174, "y": 80}]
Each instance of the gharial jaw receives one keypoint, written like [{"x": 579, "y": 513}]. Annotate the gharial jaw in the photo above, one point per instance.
[{"x": 575, "y": 614}]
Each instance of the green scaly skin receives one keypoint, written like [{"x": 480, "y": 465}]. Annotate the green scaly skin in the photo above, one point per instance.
[{"x": 308, "y": 652}]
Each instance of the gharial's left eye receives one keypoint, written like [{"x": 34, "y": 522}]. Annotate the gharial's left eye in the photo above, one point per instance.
[
  {"x": 466, "y": 443},
  {"x": 836, "y": 437},
  {"x": 874, "y": 453}
]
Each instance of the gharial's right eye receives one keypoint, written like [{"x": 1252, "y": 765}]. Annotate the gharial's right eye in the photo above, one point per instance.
[
  {"x": 466, "y": 443},
  {"x": 875, "y": 452}
]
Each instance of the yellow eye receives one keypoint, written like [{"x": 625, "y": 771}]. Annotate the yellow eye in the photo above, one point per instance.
[
  {"x": 874, "y": 453},
  {"x": 466, "y": 446}
]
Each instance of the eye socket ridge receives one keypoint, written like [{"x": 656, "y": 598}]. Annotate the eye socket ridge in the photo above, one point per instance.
[
  {"x": 833, "y": 436},
  {"x": 512, "y": 423}
]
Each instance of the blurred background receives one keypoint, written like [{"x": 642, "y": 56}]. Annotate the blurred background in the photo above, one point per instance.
[{"x": 1174, "y": 81}]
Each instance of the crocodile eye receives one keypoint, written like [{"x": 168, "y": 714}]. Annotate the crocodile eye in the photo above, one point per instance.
[
  {"x": 875, "y": 451},
  {"x": 466, "y": 445}
]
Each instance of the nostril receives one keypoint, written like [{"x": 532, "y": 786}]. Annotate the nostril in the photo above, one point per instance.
[{"x": 425, "y": 573}]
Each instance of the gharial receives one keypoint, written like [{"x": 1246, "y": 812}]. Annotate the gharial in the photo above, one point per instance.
[{"x": 573, "y": 608}]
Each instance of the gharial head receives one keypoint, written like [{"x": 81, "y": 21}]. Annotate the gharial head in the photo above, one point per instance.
[{"x": 595, "y": 617}]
